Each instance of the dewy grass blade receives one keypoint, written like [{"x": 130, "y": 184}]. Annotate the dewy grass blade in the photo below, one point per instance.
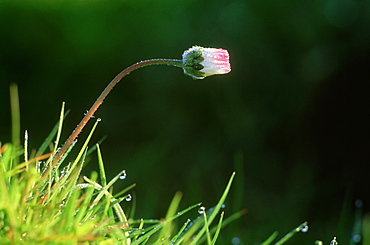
[
  {"x": 103, "y": 177},
  {"x": 60, "y": 124},
  {"x": 206, "y": 227},
  {"x": 104, "y": 191},
  {"x": 226, "y": 222},
  {"x": 124, "y": 190},
  {"x": 86, "y": 200},
  {"x": 64, "y": 155},
  {"x": 85, "y": 144},
  {"x": 67, "y": 218},
  {"x": 105, "y": 188},
  {"x": 291, "y": 233},
  {"x": 147, "y": 235},
  {"x": 218, "y": 229},
  {"x": 155, "y": 228},
  {"x": 174, "y": 239},
  {"x": 216, "y": 210},
  {"x": 184, "y": 211}
]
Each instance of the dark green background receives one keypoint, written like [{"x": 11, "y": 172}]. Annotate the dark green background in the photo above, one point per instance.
[{"x": 291, "y": 117}]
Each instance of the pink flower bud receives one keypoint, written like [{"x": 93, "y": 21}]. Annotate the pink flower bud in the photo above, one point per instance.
[{"x": 202, "y": 62}]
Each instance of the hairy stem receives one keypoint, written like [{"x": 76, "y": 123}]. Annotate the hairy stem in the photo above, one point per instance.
[{"x": 103, "y": 95}]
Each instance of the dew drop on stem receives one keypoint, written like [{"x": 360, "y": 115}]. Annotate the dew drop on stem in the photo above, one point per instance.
[
  {"x": 334, "y": 241},
  {"x": 304, "y": 229},
  {"x": 123, "y": 175},
  {"x": 201, "y": 210},
  {"x": 128, "y": 198}
]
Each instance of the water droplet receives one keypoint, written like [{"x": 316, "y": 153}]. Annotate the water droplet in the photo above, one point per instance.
[
  {"x": 201, "y": 210},
  {"x": 123, "y": 175},
  {"x": 235, "y": 240},
  {"x": 334, "y": 241},
  {"x": 223, "y": 206},
  {"x": 128, "y": 198},
  {"x": 305, "y": 229},
  {"x": 356, "y": 238}
]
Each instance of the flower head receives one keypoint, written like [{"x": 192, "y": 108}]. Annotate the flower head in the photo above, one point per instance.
[{"x": 202, "y": 62}]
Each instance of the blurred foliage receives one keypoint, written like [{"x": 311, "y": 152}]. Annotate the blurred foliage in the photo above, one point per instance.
[{"x": 291, "y": 116}]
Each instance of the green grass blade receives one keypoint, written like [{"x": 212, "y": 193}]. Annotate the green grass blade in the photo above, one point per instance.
[
  {"x": 227, "y": 221},
  {"x": 124, "y": 190},
  {"x": 167, "y": 225},
  {"x": 174, "y": 240},
  {"x": 206, "y": 227},
  {"x": 87, "y": 199},
  {"x": 104, "y": 191},
  {"x": 216, "y": 209},
  {"x": 16, "y": 122},
  {"x": 84, "y": 147},
  {"x": 15, "y": 114},
  {"x": 147, "y": 235},
  {"x": 60, "y": 124},
  {"x": 103, "y": 177},
  {"x": 270, "y": 239},
  {"x": 218, "y": 229},
  {"x": 56, "y": 129},
  {"x": 157, "y": 227},
  {"x": 291, "y": 233}
]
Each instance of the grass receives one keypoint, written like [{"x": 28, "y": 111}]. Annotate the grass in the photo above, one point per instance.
[
  {"x": 63, "y": 208},
  {"x": 43, "y": 203}
]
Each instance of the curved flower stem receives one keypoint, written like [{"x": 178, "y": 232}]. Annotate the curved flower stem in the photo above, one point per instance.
[{"x": 103, "y": 95}]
